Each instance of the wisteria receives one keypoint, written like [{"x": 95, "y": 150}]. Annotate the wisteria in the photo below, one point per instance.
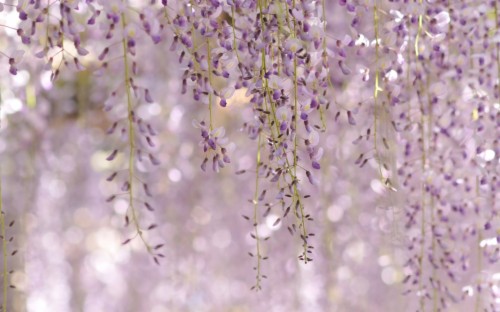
[{"x": 253, "y": 155}]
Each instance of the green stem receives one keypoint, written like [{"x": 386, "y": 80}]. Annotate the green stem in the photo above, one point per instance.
[
  {"x": 131, "y": 138},
  {"x": 497, "y": 26},
  {"x": 430, "y": 148},
  {"x": 292, "y": 175},
  {"x": 235, "y": 45},
  {"x": 325, "y": 60},
  {"x": 423, "y": 203},
  {"x": 423, "y": 165},
  {"x": 295, "y": 148},
  {"x": 209, "y": 60},
  {"x": 376, "y": 90},
  {"x": 255, "y": 215},
  {"x": 295, "y": 143},
  {"x": 5, "y": 276},
  {"x": 477, "y": 306},
  {"x": 419, "y": 31},
  {"x": 434, "y": 271}
]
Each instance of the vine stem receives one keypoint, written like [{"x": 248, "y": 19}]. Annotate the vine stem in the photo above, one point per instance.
[
  {"x": 5, "y": 277},
  {"x": 295, "y": 148},
  {"x": 255, "y": 214},
  {"x": 295, "y": 144},
  {"x": 376, "y": 89},
  {"x": 430, "y": 148},
  {"x": 423, "y": 203},
  {"x": 131, "y": 138},
  {"x": 477, "y": 306},
  {"x": 325, "y": 60},
  {"x": 291, "y": 174},
  {"x": 209, "y": 60},
  {"x": 422, "y": 227},
  {"x": 233, "y": 26},
  {"x": 424, "y": 167},
  {"x": 497, "y": 27},
  {"x": 419, "y": 32},
  {"x": 433, "y": 246},
  {"x": 424, "y": 161},
  {"x": 4, "y": 240}
]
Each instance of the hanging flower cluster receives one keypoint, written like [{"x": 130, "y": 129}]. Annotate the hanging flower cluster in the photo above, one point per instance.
[
  {"x": 274, "y": 53},
  {"x": 434, "y": 96}
]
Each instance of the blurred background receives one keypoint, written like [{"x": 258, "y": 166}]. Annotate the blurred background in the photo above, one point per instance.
[{"x": 54, "y": 148}]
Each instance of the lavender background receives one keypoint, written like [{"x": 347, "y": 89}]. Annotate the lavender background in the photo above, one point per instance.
[{"x": 53, "y": 147}]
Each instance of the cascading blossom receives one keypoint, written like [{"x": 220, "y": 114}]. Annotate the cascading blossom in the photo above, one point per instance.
[{"x": 371, "y": 133}]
